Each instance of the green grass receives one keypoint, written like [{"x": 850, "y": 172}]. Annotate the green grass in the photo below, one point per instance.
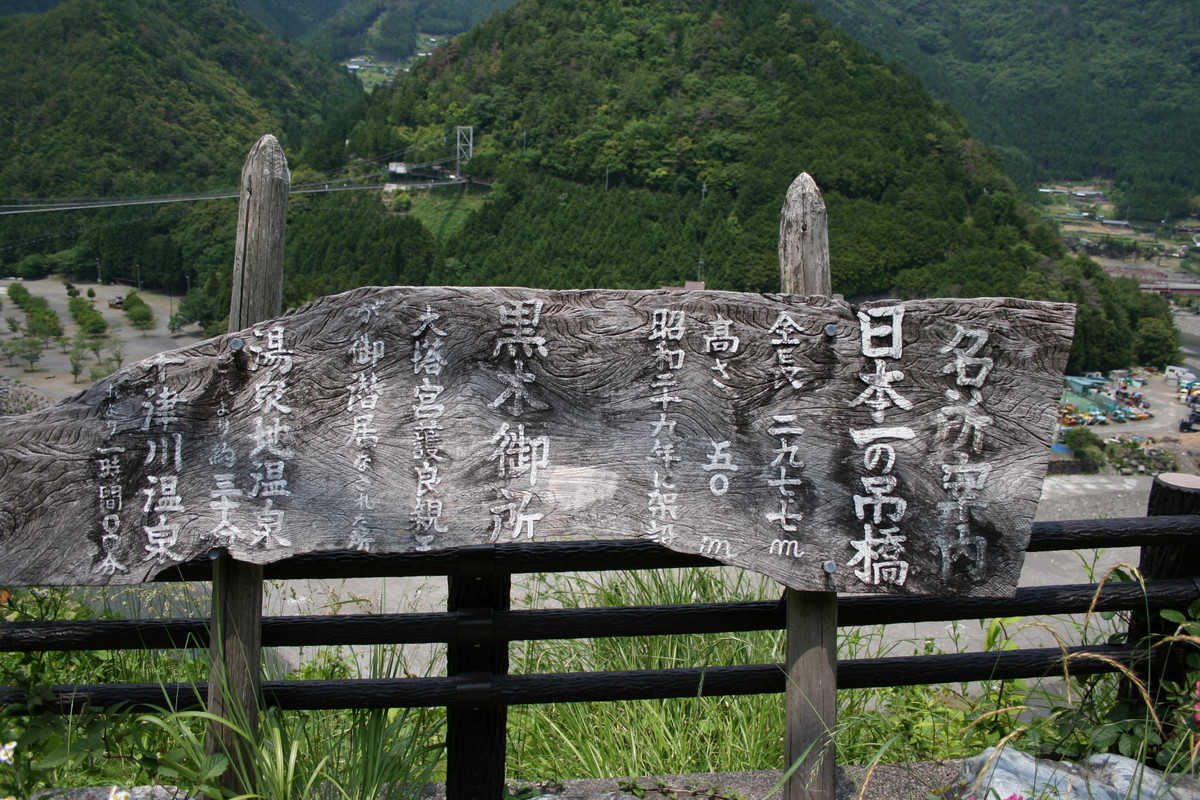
[
  {"x": 332, "y": 755},
  {"x": 1067, "y": 716},
  {"x": 445, "y": 211},
  {"x": 568, "y": 740}
]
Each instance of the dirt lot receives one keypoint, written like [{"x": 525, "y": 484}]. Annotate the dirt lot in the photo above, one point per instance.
[{"x": 51, "y": 376}]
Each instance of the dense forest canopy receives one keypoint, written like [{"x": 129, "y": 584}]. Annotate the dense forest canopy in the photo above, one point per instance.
[
  {"x": 291, "y": 17},
  {"x": 629, "y": 144},
  {"x": 704, "y": 111},
  {"x": 129, "y": 97},
  {"x": 1068, "y": 90},
  {"x": 27, "y": 6}
]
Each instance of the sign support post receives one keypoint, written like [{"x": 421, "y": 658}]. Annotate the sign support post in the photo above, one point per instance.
[
  {"x": 235, "y": 681},
  {"x": 811, "y": 694}
]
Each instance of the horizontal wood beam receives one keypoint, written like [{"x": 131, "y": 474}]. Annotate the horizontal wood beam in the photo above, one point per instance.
[
  {"x": 604, "y": 686},
  {"x": 559, "y": 623}
]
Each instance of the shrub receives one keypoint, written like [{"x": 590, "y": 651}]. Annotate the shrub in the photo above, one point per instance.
[
  {"x": 1085, "y": 444},
  {"x": 141, "y": 316}
]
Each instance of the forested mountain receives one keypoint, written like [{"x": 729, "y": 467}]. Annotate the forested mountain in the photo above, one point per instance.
[
  {"x": 638, "y": 144},
  {"x": 106, "y": 97},
  {"x": 26, "y": 6},
  {"x": 1070, "y": 90},
  {"x": 290, "y": 17},
  {"x": 387, "y": 29},
  {"x": 338, "y": 29},
  {"x": 630, "y": 143},
  {"x": 698, "y": 115},
  {"x": 122, "y": 98}
]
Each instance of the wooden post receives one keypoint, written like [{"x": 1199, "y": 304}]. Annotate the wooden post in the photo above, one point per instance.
[
  {"x": 476, "y": 736},
  {"x": 258, "y": 253},
  {"x": 235, "y": 681},
  {"x": 1171, "y": 494},
  {"x": 804, "y": 240},
  {"x": 811, "y": 694}
]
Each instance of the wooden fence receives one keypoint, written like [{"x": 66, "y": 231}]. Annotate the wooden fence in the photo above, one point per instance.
[{"x": 478, "y": 627}]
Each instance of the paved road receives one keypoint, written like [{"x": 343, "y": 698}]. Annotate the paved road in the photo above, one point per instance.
[{"x": 1063, "y": 497}]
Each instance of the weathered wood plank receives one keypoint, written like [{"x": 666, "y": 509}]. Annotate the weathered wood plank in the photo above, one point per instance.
[
  {"x": 810, "y": 700},
  {"x": 637, "y": 554},
  {"x": 804, "y": 240},
  {"x": 764, "y": 431},
  {"x": 262, "y": 224}
]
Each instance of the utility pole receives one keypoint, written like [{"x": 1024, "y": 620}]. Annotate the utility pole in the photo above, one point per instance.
[
  {"x": 700, "y": 263},
  {"x": 464, "y": 146}
]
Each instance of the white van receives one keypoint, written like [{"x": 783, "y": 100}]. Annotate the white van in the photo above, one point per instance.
[{"x": 1175, "y": 374}]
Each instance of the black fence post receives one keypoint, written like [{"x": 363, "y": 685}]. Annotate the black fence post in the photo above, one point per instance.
[
  {"x": 476, "y": 732},
  {"x": 1171, "y": 494}
]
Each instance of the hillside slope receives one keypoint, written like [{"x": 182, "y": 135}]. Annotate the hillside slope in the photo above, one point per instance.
[
  {"x": 388, "y": 29},
  {"x": 128, "y": 96},
  {"x": 1069, "y": 89},
  {"x": 635, "y": 138}
]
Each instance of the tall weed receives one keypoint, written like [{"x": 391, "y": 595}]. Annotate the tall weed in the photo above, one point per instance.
[
  {"x": 1067, "y": 715},
  {"x": 377, "y": 754}
]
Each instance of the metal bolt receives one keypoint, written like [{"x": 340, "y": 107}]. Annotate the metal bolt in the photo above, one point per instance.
[
  {"x": 831, "y": 330},
  {"x": 238, "y": 351},
  {"x": 830, "y": 567}
]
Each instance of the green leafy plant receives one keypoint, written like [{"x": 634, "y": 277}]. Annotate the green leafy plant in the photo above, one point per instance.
[{"x": 84, "y": 747}]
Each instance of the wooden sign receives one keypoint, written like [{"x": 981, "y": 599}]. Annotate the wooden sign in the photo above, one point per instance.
[{"x": 888, "y": 447}]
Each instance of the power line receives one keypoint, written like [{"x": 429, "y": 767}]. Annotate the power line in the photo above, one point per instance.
[
  {"x": 310, "y": 188},
  {"x": 84, "y": 204},
  {"x": 36, "y": 206}
]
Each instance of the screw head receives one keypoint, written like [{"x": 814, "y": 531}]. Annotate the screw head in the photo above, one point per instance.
[
  {"x": 236, "y": 345},
  {"x": 831, "y": 330},
  {"x": 830, "y": 567}
]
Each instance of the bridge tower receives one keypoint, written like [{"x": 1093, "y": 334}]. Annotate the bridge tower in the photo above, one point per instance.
[{"x": 464, "y": 146}]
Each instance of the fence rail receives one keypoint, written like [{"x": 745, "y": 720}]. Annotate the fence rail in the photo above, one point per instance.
[
  {"x": 587, "y": 623},
  {"x": 504, "y": 625},
  {"x": 495, "y": 627}
]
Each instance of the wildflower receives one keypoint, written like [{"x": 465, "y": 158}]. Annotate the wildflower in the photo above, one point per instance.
[
  {"x": 1196, "y": 705},
  {"x": 117, "y": 793},
  {"x": 6, "y": 753}
]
